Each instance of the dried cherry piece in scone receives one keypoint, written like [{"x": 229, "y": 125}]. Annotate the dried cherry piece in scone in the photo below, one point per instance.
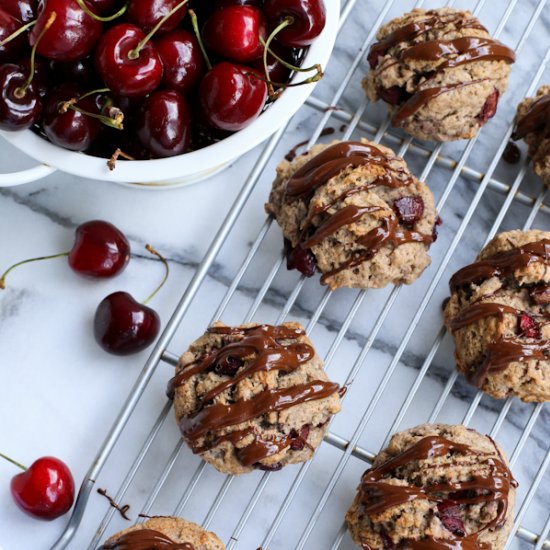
[
  {"x": 409, "y": 210},
  {"x": 228, "y": 366},
  {"x": 489, "y": 108},
  {"x": 527, "y": 326},
  {"x": 270, "y": 467},
  {"x": 438, "y": 221},
  {"x": 449, "y": 514},
  {"x": 299, "y": 439},
  {"x": 300, "y": 258},
  {"x": 394, "y": 95}
]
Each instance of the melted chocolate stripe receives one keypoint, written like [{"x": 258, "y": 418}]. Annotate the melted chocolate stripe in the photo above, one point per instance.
[
  {"x": 536, "y": 118},
  {"x": 145, "y": 539}
]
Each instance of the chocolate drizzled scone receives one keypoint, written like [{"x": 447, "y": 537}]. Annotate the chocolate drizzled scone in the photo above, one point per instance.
[
  {"x": 253, "y": 396},
  {"x": 533, "y": 126},
  {"x": 499, "y": 317},
  {"x": 440, "y": 73},
  {"x": 164, "y": 532},
  {"x": 353, "y": 211},
  {"x": 435, "y": 487}
]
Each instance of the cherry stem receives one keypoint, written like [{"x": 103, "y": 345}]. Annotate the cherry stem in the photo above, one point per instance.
[
  {"x": 9, "y": 270},
  {"x": 21, "y": 91},
  {"x": 134, "y": 54},
  {"x": 285, "y": 23},
  {"x": 195, "y": 23},
  {"x": 316, "y": 67},
  {"x": 106, "y": 19},
  {"x": 14, "y": 462},
  {"x": 111, "y": 163},
  {"x": 17, "y": 33},
  {"x": 166, "y": 272},
  {"x": 115, "y": 123}
]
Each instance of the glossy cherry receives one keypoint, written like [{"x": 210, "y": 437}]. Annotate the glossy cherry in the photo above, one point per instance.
[
  {"x": 100, "y": 250},
  {"x": 308, "y": 20},
  {"x": 71, "y": 129},
  {"x": 231, "y": 96},
  {"x": 147, "y": 13},
  {"x": 123, "y": 326},
  {"x": 234, "y": 33},
  {"x": 20, "y": 106},
  {"x": 23, "y": 10},
  {"x": 81, "y": 71},
  {"x": 118, "y": 68},
  {"x": 8, "y": 25},
  {"x": 42, "y": 77},
  {"x": 182, "y": 59},
  {"x": 164, "y": 123},
  {"x": 104, "y": 7},
  {"x": 277, "y": 71},
  {"x": 72, "y": 35},
  {"x": 45, "y": 490}
]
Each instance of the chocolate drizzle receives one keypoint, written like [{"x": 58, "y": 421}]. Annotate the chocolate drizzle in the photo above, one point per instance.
[
  {"x": 505, "y": 350},
  {"x": 331, "y": 162},
  {"x": 483, "y": 487},
  {"x": 537, "y": 118},
  {"x": 463, "y": 50},
  {"x": 145, "y": 539},
  {"x": 259, "y": 349}
]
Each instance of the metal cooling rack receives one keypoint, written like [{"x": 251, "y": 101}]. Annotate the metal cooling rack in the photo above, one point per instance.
[{"x": 131, "y": 455}]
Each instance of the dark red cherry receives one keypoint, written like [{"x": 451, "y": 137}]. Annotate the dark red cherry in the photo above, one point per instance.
[
  {"x": 23, "y": 10},
  {"x": 147, "y": 13},
  {"x": 489, "y": 108},
  {"x": 309, "y": 18},
  {"x": 19, "y": 107},
  {"x": 300, "y": 258},
  {"x": 182, "y": 59},
  {"x": 449, "y": 514},
  {"x": 104, "y": 7},
  {"x": 164, "y": 124},
  {"x": 123, "y": 326},
  {"x": 71, "y": 36},
  {"x": 275, "y": 69},
  {"x": 45, "y": 490},
  {"x": 121, "y": 72},
  {"x": 100, "y": 250},
  {"x": 528, "y": 327},
  {"x": 232, "y": 96},
  {"x": 409, "y": 210},
  {"x": 81, "y": 71},
  {"x": 42, "y": 78},
  {"x": 8, "y": 25},
  {"x": 234, "y": 32},
  {"x": 71, "y": 129}
]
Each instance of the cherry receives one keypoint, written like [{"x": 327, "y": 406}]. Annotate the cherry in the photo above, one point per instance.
[
  {"x": 232, "y": 96},
  {"x": 183, "y": 62},
  {"x": 307, "y": 20},
  {"x": 528, "y": 327},
  {"x": 300, "y": 258},
  {"x": 126, "y": 66},
  {"x": 277, "y": 71},
  {"x": 103, "y": 7},
  {"x": 23, "y": 10},
  {"x": 235, "y": 32},
  {"x": 122, "y": 325},
  {"x": 70, "y": 128},
  {"x": 20, "y": 104},
  {"x": 81, "y": 71},
  {"x": 45, "y": 490},
  {"x": 449, "y": 514},
  {"x": 489, "y": 108},
  {"x": 164, "y": 124},
  {"x": 9, "y": 25},
  {"x": 146, "y": 14},
  {"x": 42, "y": 77},
  {"x": 72, "y": 35},
  {"x": 394, "y": 95},
  {"x": 409, "y": 210},
  {"x": 228, "y": 366}
]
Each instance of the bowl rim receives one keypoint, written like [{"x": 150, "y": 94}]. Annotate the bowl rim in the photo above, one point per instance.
[{"x": 195, "y": 162}]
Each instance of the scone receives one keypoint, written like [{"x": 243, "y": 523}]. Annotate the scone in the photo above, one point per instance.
[
  {"x": 435, "y": 486},
  {"x": 253, "y": 396},
  {"x": 533, "y": 125},
  {"x": 440, "y": 73},
  {"x": 499, "y": 317},
  {"x": 164, "y": 532},
  {"x": 354, "y": 212}
]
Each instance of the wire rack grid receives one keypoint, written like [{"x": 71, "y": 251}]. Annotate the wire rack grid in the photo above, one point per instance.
[{"x": 393, "y": 382}]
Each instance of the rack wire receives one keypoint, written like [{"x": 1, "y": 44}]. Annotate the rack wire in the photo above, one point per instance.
[{"x": 146, "y": 466}]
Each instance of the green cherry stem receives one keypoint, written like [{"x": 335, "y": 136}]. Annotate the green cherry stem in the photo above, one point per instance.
[
  {"x": 22, "y": 90},
  {"x": 10, "y": 269},
  {"x": 316, "y": 67},
  {"x": 106, "y": 19},
  {"x": 17, "y": 33},
  {"x": 285, "y": 23},
  {"x": 166, "y": 272},
  {"x": 195, "y": 23},
  {"x": 14, "y": 462},
  {"x": 134, "y": 54}
]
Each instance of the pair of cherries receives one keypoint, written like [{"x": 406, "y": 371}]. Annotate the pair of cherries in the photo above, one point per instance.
[{"x": 122, "y": 325}]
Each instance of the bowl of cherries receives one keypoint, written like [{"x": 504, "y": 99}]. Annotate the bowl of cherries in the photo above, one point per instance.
[{"x": 155, "y": 92}]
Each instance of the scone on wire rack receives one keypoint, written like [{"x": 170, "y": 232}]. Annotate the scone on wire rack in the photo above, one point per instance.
[
  {"x": 499, "y": 317},
  {"x": 354, "y": 212},
  {"x": 164, "y": 532},
  {"x": 532, "y": 124},
  {"x": 253, "y": 397},
  {"x": 440, "y": 73},
  {"x": 435, "y": 486}
]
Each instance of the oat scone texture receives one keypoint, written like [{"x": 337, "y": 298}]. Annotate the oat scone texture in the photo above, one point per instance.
[
  {"x": 420, "y": 519},
  {"x": 389, "y": 265},
  {"x": 457, "y": 113},
  {"x": 179, "y": 531},
  {"x": 309, "y": 419},
  {"x": 528, "y": 379}
]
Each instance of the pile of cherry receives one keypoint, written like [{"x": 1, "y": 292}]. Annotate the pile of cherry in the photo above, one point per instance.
[{"x": 148, "y": 78}]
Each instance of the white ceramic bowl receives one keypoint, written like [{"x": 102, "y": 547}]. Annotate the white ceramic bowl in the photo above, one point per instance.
[{"x": 183, "y": 169}]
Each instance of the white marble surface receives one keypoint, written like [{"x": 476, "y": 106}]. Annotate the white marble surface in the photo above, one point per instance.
[{"x": 59, "y": 393}]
